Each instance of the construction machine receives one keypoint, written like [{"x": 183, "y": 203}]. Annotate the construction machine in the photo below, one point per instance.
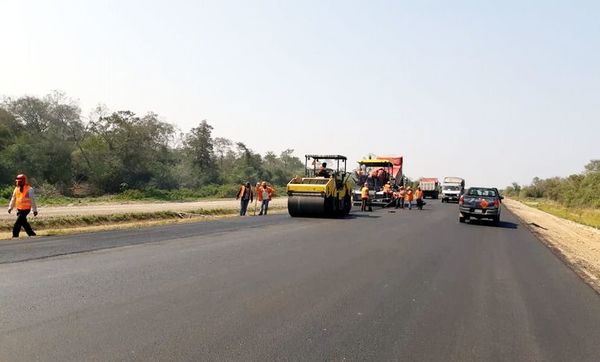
[
  {"x": 375, "y": 173},
  {"x": 314, "y": 195}
]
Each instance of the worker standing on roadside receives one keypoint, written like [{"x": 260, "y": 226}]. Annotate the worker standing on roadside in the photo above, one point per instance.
[
  {"x": 264, "y": 193},
  {"x": 409, "y": 197},
  {"x": 23, "y": 198},
  {"x": 364, "y": 197},
  {"x": 419, "y": 197},
  {"x": 245, "y": 196}
]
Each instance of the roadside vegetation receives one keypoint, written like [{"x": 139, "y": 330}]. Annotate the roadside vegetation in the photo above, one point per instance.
[
  {"x": 576, "y": 197},
  {"x": 118, "y": 156}
]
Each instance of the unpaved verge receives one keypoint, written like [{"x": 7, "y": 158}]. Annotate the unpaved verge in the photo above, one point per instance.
[
  {"x": 576, "y": 244},
  {"x": 68, "y": 219},
  {"x": 138, "y": 207}
]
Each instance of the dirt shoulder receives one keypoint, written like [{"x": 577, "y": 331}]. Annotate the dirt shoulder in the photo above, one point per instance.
[
  {"x": 578, "y": 245},
  {"x": 53, "y": 220},
  {"x": 142, "y": 207}
]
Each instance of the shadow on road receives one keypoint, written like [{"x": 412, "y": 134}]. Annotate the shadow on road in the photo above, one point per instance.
[
  {"x": 366, "y": 214},
  {"x": 501, "y": 224}
]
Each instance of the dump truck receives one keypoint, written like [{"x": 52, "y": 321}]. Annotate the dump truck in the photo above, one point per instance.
[
  {"x": 430, "y": 187},
  {"x": 314, "y": 195}
]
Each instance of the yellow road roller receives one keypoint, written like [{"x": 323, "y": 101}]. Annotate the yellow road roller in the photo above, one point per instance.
[{"x": 325, "y": 189}]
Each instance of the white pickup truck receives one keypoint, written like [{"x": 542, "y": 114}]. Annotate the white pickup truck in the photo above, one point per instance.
[{"x": 452, "y": 188}]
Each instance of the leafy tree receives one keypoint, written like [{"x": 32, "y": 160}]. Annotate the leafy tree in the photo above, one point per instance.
[
  {"x": 199, "y": 149},
  {"x": 592, "y": 166}
]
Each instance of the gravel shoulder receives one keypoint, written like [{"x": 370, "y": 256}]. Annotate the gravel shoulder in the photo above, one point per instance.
[
  {"x": 577, "y": 245},
  {"x": 53, "y": 213},
  {"x": 140, "y": 207}
]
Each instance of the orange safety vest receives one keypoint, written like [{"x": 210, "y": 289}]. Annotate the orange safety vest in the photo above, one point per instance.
[
  {"x": 23, "y": 202},
  {"x": 364, "y": 193},
  {"x": 419, "y": 195},
  {"x": 259, "y": 192},
  {"x": 409, "y": 195},
  {"x": 387, "y": 188}
]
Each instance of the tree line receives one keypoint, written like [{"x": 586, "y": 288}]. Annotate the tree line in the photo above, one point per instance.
[
  {"x": 579, "y": 190},
  {"x": 111, "y": 152}
]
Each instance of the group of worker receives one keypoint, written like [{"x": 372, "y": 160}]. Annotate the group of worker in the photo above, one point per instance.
[
  {"x": 264, "y": 194},
  {"x": 403, "y": 196}
]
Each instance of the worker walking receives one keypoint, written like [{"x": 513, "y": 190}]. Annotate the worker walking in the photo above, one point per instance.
[
  {"x": 23, "y": 198},
  {"x": 246, "y": 196},
  {"x": 409, "y": 197},
  {"x": 264, "y": 193},
  {"x": 364, "y": 197},
  {"x": 419, "y": 198}
]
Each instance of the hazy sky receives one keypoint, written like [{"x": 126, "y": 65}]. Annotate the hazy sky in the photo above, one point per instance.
[{"x": 494, "y": 91}]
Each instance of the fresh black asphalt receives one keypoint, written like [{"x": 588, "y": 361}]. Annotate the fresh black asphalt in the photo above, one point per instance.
[{"x": 383, "y": 286}]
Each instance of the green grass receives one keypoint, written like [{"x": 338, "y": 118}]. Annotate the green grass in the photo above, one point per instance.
[{"x": 585, "y": 216}]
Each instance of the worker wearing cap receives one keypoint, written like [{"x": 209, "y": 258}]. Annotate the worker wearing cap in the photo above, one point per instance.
[
  {"x": 246, "y": 196},
  {"x": 23, "y": 198},
  {"x": 264, "y": 193}
]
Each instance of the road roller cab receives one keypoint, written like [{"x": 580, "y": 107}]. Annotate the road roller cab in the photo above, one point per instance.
[{"x": 314, "y": 195}]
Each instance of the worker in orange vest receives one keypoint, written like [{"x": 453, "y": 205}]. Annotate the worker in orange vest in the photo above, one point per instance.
[
  {"x": 264, "y": 193},
  {"x": 400, "y": 197},
  {"x": 246, "y": 196},
  {"x": 409, "y": 197},
  {"x": 387, "y": 189},
  {"x": 23, "y": 198},
  {"x": 419, "y": 198},
  {"x": 364, "y": 197}
]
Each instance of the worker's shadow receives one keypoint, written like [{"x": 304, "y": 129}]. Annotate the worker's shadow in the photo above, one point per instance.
[
  {"x": 501, "y": 224},
  {"x": 362, "y": 214}
]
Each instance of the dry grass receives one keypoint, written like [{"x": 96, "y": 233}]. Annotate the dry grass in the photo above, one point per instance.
[
  {"x": 590, "y": 217},
  {"x": 94, "y": 223}
]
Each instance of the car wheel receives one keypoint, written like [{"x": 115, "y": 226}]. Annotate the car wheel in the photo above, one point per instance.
[
  {"x": 461, "y": 219},
  {"x": 496, "y": 220}
]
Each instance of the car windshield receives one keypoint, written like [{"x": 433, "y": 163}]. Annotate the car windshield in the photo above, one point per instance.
[
  {"x": 482, "y": 192},
  {"x": 452, "y": 188}
]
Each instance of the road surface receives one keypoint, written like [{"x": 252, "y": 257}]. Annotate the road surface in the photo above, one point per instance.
[{"x": 381, "y": 286}]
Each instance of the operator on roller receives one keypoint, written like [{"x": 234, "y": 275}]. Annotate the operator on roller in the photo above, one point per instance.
[{"x": 323, "y": 170}]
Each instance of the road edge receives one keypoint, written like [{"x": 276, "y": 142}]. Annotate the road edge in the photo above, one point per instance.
[{"x": 589, "y": 279}]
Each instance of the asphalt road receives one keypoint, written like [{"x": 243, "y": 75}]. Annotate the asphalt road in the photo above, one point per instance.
[{"x": 381, "y": 286}]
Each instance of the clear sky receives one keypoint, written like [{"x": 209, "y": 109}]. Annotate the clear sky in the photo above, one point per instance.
[{"x": 493, "y": 91}]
